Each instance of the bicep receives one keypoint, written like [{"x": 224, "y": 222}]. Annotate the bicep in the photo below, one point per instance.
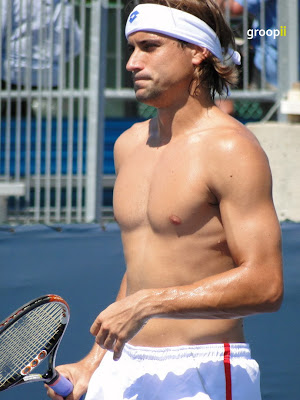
[
  {"x": 247, "y": 211},
  {"x": 122, "y": 147},
  {"x": 254, "y": 240},
  {"x": 253, "y": 235},
  {"x": 117, "y": 154}
]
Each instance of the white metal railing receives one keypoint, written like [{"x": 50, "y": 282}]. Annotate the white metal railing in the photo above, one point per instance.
[{"x": 51, "y": 107}]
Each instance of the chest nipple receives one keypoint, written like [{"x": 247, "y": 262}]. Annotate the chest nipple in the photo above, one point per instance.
[{"x": 175, "y": 220}]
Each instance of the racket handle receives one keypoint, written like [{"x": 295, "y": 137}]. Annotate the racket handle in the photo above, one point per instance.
[{"x": 61, "y": 385}]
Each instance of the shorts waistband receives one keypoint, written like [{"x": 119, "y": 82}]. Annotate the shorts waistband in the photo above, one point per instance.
[{"x": 212, "y": 351}]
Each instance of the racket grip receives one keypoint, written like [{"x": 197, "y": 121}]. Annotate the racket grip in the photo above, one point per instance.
[{"x": 61, "y": 386}]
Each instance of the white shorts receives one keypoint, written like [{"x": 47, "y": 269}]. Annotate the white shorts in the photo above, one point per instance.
[{"x": 202, "y": 372}]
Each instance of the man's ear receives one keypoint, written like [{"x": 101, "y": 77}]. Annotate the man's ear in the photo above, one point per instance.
[{"x": 199, "y": 54}]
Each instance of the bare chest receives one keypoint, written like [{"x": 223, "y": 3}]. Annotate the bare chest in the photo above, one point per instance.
[{"x": 162, "y": 188}]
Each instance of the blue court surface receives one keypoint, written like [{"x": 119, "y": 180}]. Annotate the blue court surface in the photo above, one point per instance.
[{"x": 84, "y": 264}]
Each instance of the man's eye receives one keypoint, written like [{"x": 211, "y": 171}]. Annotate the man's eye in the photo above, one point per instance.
[{"x": 150, "y": 46}]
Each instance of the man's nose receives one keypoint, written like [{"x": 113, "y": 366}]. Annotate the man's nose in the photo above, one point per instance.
[{"x": 134, "y": 63}]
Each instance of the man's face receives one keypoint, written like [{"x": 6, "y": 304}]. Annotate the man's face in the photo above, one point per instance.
[{"x": 162, "y": 69}]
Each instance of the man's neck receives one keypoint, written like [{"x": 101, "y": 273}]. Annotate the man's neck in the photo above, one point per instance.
[{"x": 179, "y": 119}]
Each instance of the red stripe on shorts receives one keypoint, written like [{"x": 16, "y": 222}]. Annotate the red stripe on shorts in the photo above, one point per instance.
[{"x": 227, "y": 371}]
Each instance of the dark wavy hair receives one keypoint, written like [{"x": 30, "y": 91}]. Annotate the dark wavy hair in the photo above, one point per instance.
[{"x": 212, "y": 74}]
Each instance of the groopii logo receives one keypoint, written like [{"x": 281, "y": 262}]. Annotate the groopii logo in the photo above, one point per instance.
[{"x": 252, "y": 33}]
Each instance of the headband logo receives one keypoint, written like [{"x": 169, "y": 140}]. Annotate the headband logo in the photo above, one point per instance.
[{"x": 133, "y": 16}]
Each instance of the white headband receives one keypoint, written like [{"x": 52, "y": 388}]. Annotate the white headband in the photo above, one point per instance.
[{"x": 177, "y": 24}]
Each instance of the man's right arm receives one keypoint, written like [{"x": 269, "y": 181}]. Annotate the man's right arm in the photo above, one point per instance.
[{"x": 81, "y": 372}]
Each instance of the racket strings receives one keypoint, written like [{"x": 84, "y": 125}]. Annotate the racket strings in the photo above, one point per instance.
[
  {"x": 27, "y": 337},
  {"x": 15, "y": 349},
  {"x": 21, "y": 349},
  {"x": 19, "y": 335}
]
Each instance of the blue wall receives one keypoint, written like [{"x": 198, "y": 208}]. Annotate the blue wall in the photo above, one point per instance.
[
  {"x": 84, "y": 265},
  {"x": 112, "y": 130}
]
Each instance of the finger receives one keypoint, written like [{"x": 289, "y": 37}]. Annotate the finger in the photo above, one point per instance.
[
  {"x": 52, "y": 394},
  {"x": 71, "y": 396},
  {"x": 96, "y": 326},
  {"x": 101, "y": 337},
  {"x": 118, "y": 348},
  {"x": 109, "y": 342},
  {"x": 75, "y": 396}
]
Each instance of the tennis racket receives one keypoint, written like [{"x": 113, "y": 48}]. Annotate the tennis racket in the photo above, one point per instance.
[{"x": 29, "y": 336}]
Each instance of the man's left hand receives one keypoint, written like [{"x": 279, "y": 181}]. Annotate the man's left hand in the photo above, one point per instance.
[{"x": 119, "y": 323}]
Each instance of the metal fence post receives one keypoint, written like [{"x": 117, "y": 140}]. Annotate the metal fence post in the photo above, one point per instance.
[
  {"x": 95, "y": 143},
  {"x": 288, "y": 47}
]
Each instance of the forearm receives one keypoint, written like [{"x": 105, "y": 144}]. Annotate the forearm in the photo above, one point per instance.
[
  {"x": 92, "y": 360},
  {"x": 236, "y": 293},
  {"x": 95, "y": 356}
]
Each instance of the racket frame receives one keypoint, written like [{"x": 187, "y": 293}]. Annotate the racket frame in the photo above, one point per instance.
[{"x": 51, "y": 374}]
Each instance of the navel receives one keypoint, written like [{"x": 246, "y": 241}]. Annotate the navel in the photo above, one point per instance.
[{"x": 175, "y": 220}]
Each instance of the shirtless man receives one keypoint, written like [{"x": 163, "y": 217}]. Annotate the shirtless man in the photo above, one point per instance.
[{"x": 201, "y": 238}]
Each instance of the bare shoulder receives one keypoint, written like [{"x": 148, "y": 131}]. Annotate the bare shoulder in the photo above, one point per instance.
[
  {"x": 238, "y": 159},
  {"x": 237, "y": 141},
  {"x": 129, "y": 140}
]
